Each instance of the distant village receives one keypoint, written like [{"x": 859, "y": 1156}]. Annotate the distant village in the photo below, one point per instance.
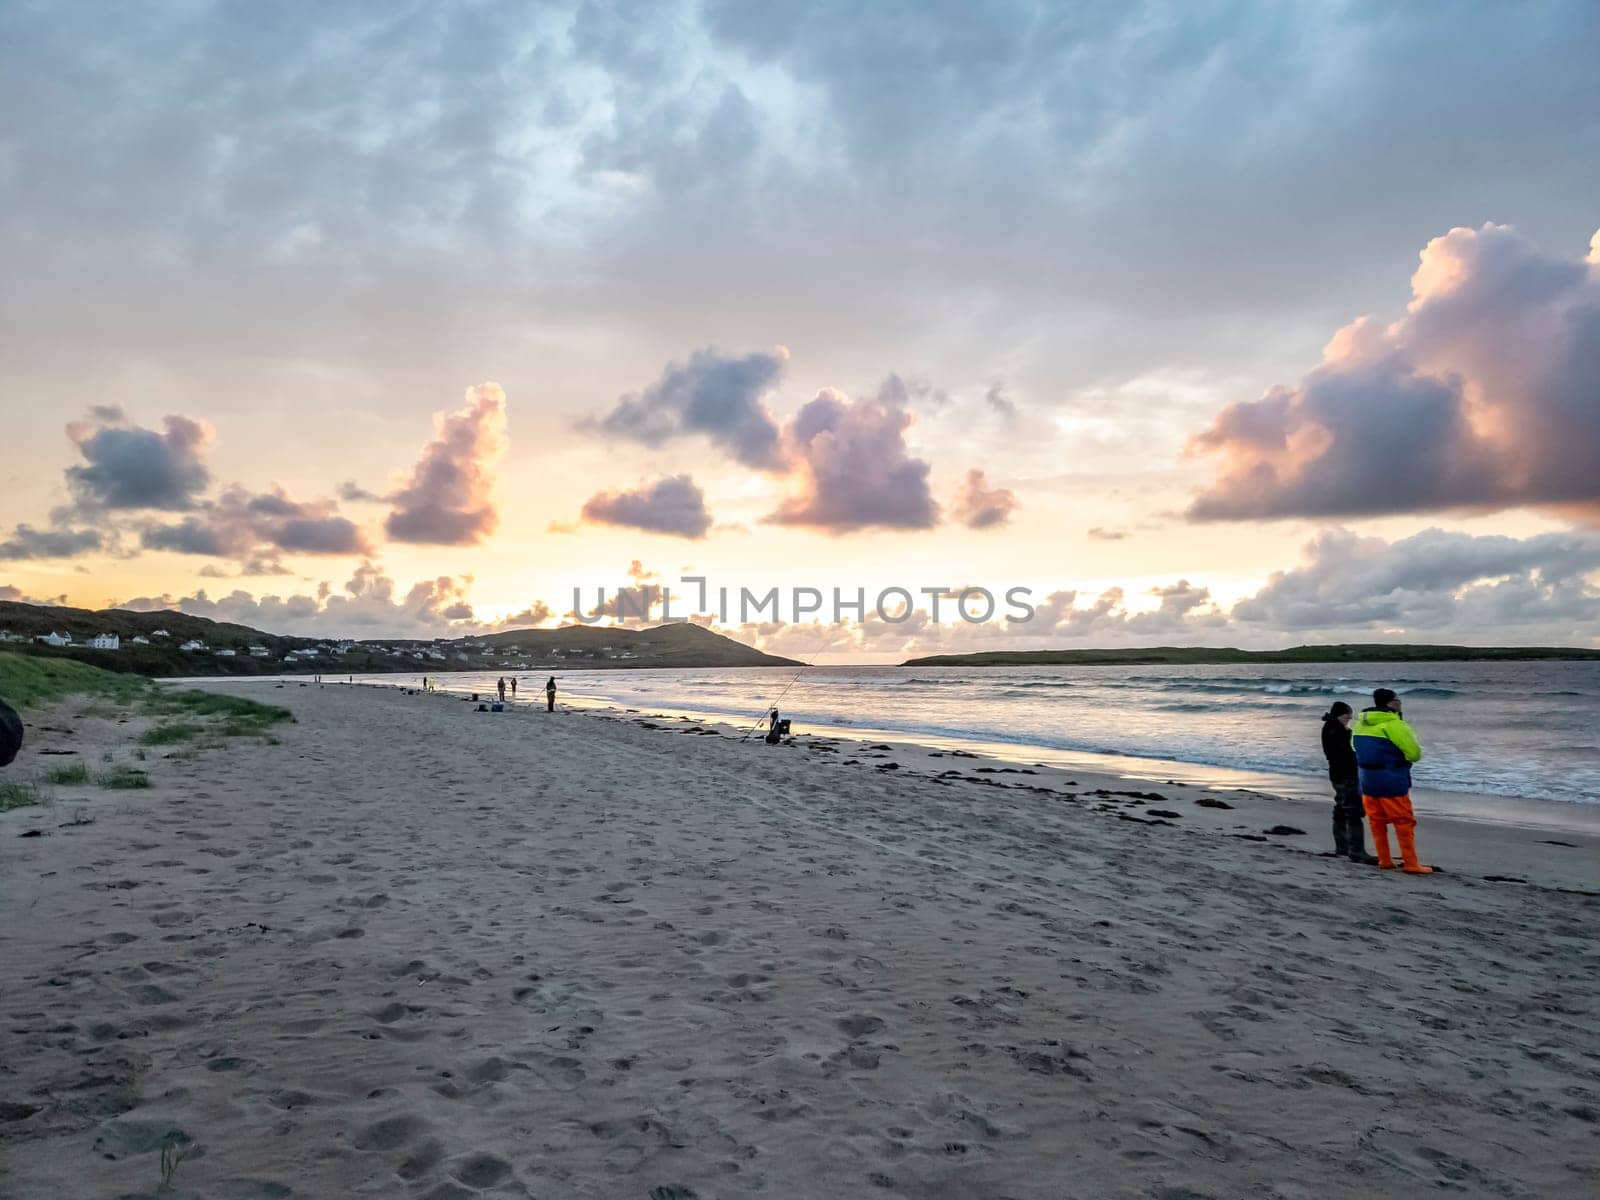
[
  {"x": 467, "y": 653},
  {"x": 168, "y": 644}
]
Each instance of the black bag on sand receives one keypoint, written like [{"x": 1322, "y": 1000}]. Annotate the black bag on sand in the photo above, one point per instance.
[{"x": 10, "y": 733}]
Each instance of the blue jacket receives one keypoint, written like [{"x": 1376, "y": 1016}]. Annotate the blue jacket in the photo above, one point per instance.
[{"x": 1385, "y": 749}]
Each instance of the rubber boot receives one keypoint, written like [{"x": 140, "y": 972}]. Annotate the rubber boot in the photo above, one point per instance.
[
  {"x": 1380, "y": 843},
  {"x": 1341, "y": 834},
  {"x": 1406, "y": 835},
  {"x": 1357, "y": 849}
]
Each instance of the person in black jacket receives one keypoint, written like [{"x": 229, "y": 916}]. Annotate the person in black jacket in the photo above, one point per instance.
[
  {"x": 10, "y": 733},
  {"x": 1348, "y": 819}
]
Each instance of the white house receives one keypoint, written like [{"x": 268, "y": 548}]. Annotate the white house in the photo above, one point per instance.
[
  {"x": 159, "y": 633},
  {"x": 106, "y": 641},
  {"x": 55, "y": 639},
  {"x": 226, "y": 653},
  {"x": 259, "y": 652},
  {"x": 139, "y": 639},
  {"x": 193, "y": 644}
]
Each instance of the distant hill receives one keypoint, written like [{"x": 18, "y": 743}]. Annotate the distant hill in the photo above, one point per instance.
[
  {"x": 586, "y": 646},
  {"x": 1348, "y": 652},
  {"x": 678, "y": 645}
]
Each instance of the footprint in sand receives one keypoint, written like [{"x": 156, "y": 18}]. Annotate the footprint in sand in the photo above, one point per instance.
[
  {"x": 290, "y": 1099},
  {"x": 559, "y": 1069},
  {"x": 389, "y": 1133},
  {"x": 859, "y": 1025},
  {"x": 490, "y": 1070},
  {"x": 423, "y": 1160},
  {"x": 149, "y": 993},
  {"x": 480, "y": 1170}
]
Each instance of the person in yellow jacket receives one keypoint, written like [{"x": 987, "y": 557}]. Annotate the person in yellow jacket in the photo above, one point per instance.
[{"x": 1385, "y": 748}]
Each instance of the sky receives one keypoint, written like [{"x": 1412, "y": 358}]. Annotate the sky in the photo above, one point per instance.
[{"x": 1206, "y": 323}]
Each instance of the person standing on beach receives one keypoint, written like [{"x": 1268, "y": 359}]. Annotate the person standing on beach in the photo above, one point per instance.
[
  {"x": 1385, "y": 748},
  {"x": 513, "y": 687},
  {"x": 501, "y": 685},
  {"x": 550, "y": 695},
  {"x": 1349, "y": 840}
]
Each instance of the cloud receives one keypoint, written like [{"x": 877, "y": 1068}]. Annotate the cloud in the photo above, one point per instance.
[
  {"x": 15, "y": 595},
  {"x": 673, "y": 505},
  {"x": 714, "y": 395},
  {"x": 821, "y": 168},
  {"x": 134, "y": 473},
  {"x": 1435, "y": 586},
  {"x": 352, "y": 492},
  {"x": 626, "y": 605},
  {"x": 1001, "y": 404},
  {"x": 537, "y": 613},
  {"x": 851, "y": 469},
  {"x": 1483, "y": 396},
  {"x": 846, "y": 461},
  {"x": 1101, "y": 534},
  {"x": 369, "y": 605},
  {"x": 898, "y": 389},
  {"x": 28, "y": 542},
  {"x": 1184, "y": 609},
  {"x": 978, "y": 506},
  {"x": 130, "y": 467},
  {"x": 242, "y": 525},
  {"x": 447, "y": 500},
  {"x": 1432, "y": 581}
]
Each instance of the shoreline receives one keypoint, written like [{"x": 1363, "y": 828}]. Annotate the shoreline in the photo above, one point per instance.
[
  {"x": 1515, "y": 812},
  {"x": 1498, "y": 849},
  {"x": 1479, "y": 808}
]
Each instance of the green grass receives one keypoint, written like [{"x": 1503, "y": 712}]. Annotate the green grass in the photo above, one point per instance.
[
  {"x": 171, "y": 732},
  {"x": 15, "y": 794},
  {"x": 69, "y": 773},
  {"x": 27, "y": 681},
  {"x": 123, "y": 779},
  {"x": 232, "y": 716}
]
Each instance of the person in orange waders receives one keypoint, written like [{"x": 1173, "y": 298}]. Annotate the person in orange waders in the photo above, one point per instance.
[{"x": 1385, "y": 748}]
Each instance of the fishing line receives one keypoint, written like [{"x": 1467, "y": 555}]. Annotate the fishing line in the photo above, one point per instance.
[{"x": 826, "y": 638}]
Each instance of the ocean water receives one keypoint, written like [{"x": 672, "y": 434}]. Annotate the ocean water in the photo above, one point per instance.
[{"x": 1518, "y": 730}]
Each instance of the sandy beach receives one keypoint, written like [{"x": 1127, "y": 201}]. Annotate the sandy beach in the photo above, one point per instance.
[{"x": 414, "y": 950}]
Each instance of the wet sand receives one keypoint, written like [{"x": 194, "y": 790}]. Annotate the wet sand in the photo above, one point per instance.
[{"x": 414, "y": 950}]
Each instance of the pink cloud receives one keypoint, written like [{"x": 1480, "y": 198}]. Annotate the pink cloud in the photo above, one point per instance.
[
  {"x": 448, "y": 498},
  {"x": 1482, "y": 396}
]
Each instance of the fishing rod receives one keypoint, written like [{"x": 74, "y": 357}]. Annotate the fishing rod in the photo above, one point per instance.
[{"x": 804, "y": 667}]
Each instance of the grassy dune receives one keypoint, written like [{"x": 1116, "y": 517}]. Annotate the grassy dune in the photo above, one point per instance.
[
  {"x": 28, "y": 681},
  {"x": 199, "y": 720}
]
